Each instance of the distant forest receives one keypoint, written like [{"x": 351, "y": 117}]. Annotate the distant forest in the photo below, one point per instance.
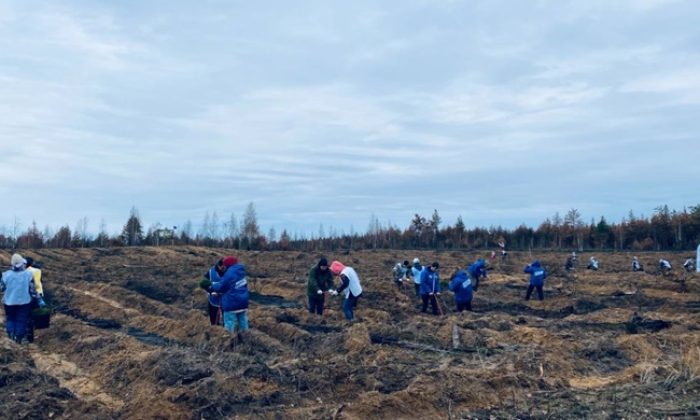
[{"x": 665, "y": 230}]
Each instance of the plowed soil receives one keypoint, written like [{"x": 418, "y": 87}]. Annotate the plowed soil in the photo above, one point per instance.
[{"x": 130, "y": 339}]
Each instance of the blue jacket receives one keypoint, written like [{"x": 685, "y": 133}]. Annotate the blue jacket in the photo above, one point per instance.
[
  {"x": 537, "y": 274},
  {"x": 429, "y": 281},
  {"x": 461, "y": 285},
  {"x": 234, "y": 289},
  {"x": 478, "y": 269}
]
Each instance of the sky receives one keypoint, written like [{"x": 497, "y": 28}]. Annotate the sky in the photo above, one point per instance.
[{"x": 332, "y": 113}]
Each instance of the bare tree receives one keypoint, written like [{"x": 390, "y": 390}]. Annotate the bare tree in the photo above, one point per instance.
[{"x": 249, "y": 227}]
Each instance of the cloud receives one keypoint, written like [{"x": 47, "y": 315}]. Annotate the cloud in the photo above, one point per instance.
[
  {"x": 492, "y": 103},
  {"x": 682, "y": 85}
]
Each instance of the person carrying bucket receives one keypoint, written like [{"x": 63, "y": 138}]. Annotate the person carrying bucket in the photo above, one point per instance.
[{"x": 19, "y": 291}]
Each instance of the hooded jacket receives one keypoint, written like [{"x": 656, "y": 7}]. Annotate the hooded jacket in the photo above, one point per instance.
[
  {"x": 319, "y": 279},
  {"x": 462, "y": 287},
  {"x": 537, "y": 274},
  {"x": 416, "y": 270},
  {"x": 18, "y": 286},
  {"x": 350, "y": 279},
  {"x": 233, "y": 287},
  {"x": 477, "y": 269},
  {"x": 429, "y": 282}
]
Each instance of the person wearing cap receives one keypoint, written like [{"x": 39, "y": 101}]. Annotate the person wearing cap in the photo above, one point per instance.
[
  {"x": 401, "y": 272},
  {"x": 537, "y": 276},
  {"x": 664, "y": 266},
  {"x": 477, "y": 271},
  {"x": 320, "y": 280},
  {"x": 233, "y": 288},
  {"x": 416, "y": 270},
  {"x": 689, "y": 265},
  {"x": 39, "y": 301},
  {"x": 636, "y": 265},
  {"x": 18, "y": 287},
  {"x": 430, "y": 287},
  {"x": 214, "y": 299},
  {"x": 350, "y": 287},
  {"x": 461, "y": 285}
]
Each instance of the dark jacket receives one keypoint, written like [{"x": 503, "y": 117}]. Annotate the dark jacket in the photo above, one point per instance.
[
  {"x": 233, "y": 286},
  {"x": 319, "y": 279}
]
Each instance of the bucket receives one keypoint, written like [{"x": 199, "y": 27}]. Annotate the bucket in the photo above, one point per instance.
[{"x": 41, "y": 318}]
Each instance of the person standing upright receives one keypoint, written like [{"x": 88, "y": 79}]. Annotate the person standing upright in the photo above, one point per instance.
[
  {"x": 537, "y": 276},
  {"x": 416, "y": 270},
  {"x": 19, "y": 291},
  {"x": 213, "y": 298},
  {"x": 320, "y": 280},
  {"x": 39, "y": 301},
  {"x": 430, "y": 287}
]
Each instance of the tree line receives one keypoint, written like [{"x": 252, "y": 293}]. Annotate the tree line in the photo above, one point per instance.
[{"x": 665, "y": 230}]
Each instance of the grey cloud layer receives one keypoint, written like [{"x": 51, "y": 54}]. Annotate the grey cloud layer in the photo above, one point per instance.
[{"x": 503, "y": 112}]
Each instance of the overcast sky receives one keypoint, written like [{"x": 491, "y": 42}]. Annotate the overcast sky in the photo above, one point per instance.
[{"x": 326, "y": 112}]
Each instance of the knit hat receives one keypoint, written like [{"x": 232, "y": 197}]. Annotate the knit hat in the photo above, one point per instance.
[
  {"x": 435, "y": 265},
  {"x": 30, "y": 261},
  {"x": 416, "y": 261},
  {"x": 229, "y": 261},
  {"x": 323, "y": 262},
  {"x": 337, "y": 267},
  {"x": 17, "y": 261}
]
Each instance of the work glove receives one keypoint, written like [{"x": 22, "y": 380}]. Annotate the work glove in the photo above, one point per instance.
[
  {"x": 319, "y": 292},
  {"x": 333, "y": 292},
  {"x": 41, "y": 302}
]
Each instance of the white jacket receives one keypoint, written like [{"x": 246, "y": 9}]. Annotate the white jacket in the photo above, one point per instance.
[{"x": 354, "y": 282}]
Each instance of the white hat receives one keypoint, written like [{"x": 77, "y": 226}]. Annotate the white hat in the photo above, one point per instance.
[
  {"x": 416, "y": 261},
  {"x": 17, "y": 261}
]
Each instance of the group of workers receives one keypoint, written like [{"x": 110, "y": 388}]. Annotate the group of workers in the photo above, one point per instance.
[
  {"x": 23, "y": 292},
  {"x": 664, "y": 265},
  {"x": 463, "y": 283},
  {"x": 228, "y": 296},
  {"x": 228, "y": 292}
]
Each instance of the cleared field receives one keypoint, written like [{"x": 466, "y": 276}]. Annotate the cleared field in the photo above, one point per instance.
[{"x": 131, "y": 339}]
